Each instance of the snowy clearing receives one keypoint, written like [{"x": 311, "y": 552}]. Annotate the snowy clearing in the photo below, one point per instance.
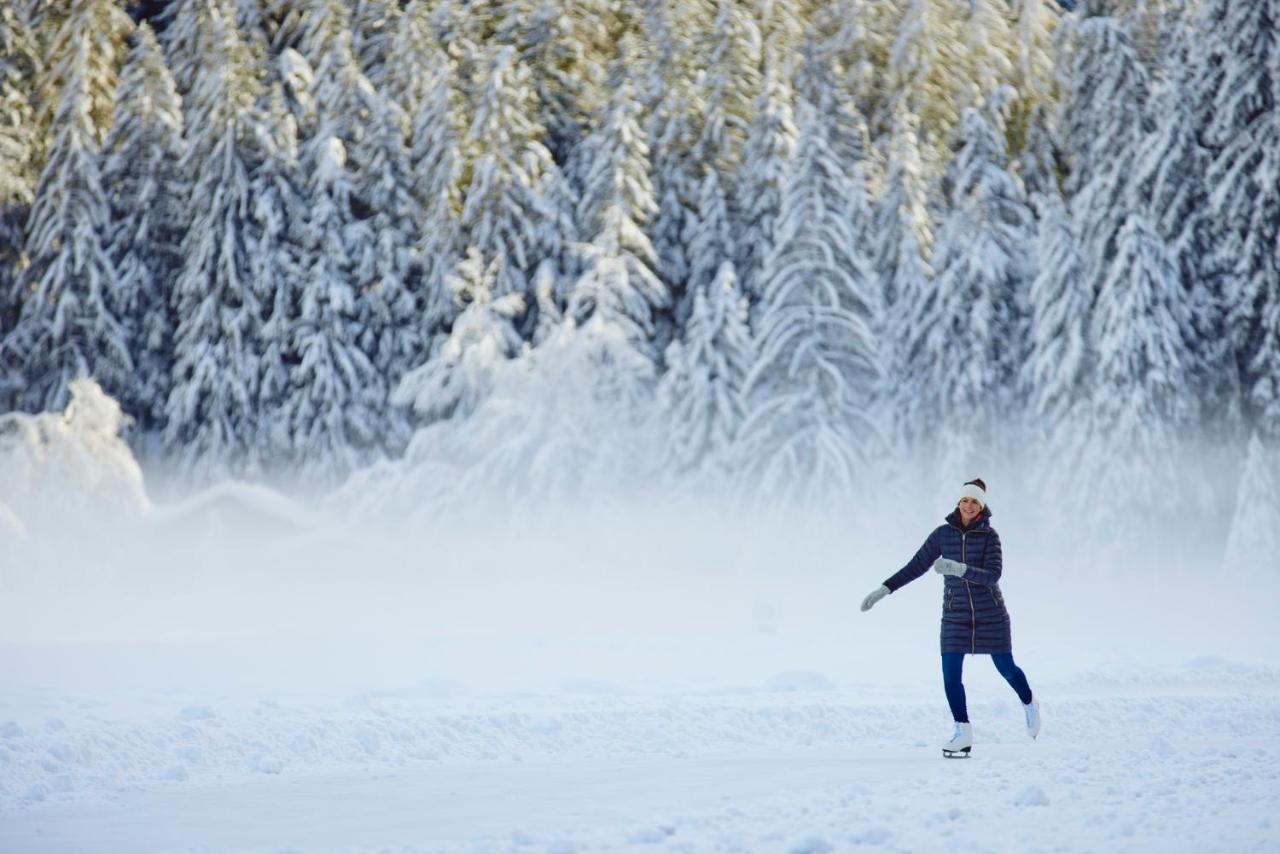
[
  {"x": 335, "y": 692},
  {"x": 1186, "y": 767}
]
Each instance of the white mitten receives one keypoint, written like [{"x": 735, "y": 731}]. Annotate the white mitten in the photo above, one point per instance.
[
  {"x": 946, "y": 566},
  {"x": 874, "y": 596}
]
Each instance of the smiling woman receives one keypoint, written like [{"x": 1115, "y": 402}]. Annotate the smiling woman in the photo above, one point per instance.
[{"x": 966, "y": 552}]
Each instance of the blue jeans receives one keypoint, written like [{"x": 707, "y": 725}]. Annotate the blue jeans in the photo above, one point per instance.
[{"x": 953, "y": 667}]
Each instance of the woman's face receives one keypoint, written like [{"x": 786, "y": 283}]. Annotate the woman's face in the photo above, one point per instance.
[{"x": 969, "y": 509}]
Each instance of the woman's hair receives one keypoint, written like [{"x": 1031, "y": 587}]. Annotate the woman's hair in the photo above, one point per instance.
[{"x": 978, "y": 482}]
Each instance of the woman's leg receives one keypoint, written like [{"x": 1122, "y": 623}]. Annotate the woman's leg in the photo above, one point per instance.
[
  {"x": 1013, "y": 674},
  {"x": 952, "y": 668}
]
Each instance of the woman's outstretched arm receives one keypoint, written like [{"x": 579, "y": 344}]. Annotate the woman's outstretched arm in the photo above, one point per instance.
[{"x": 917, "y": 566}]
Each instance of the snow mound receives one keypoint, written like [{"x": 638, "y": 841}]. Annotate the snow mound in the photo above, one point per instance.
[
  {"x": 243, "y": 508},
  {"x": 54, "y": 464},
  {"x": 1031, "y": 796}
]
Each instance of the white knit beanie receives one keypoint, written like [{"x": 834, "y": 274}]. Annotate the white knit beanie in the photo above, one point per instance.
[{"x": 977, "y": 493}]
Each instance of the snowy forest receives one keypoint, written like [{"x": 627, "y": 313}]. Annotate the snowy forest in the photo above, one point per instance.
[{"x": 771, "y": 249}]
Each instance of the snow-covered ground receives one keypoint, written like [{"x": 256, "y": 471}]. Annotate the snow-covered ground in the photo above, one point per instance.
[{"x": 616, "y": 682}]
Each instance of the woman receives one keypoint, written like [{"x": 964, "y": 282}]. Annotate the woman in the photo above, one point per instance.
[{"x": 966, "y": 553}]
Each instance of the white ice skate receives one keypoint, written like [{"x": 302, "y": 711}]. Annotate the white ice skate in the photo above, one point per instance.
[
  {"x": 1033, "y": 717},
  {"x": 958, "y": 746}
]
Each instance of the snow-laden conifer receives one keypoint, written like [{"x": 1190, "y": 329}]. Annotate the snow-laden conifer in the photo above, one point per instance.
[
  {"x": 1058, "y": 370},
  {"x": 373, "y": 207},
  {"x": 979, "y": 338},
  {"x": 90, "y": 41},
  {"x": 461, "y": 373},
  {"x": 141, "y": 171},
  {"x": 1060, "y": 305},
  {"x": 1169, "y": 181},
  {"x": 700, "y": 402},
  {"x": 436, "y": 163},
  {"x": 1140, "y": 379},
  {"x": 515, "y": 210},
  {"x": 409, "y": 58},
  {"x": 1107, "y": 96},
  {"x": 989, "y": 48},
  {"x": 1244, "y": 187},
  {"x": 185, "y": 28},
  {"x": 770, "y": 143},
  {"x": 212, "y": 409},
  {"x": 373, "y": 26},
  {"x": 727, "y": 87},
  {"x": 277, "y": 263},
  {"x": 392, "y": 332},
  {"x": 564, "y": 44},
  {"x": 672, "y": 129},
  {"x": 19, "y": 66},
  {"x": 904, "y": 239},
  {"x": 69, "y": 325},
  {"x": 926, "y": 73},
  {"x": 336, "y": 406},
  {"x": 614, "y": 299},
  {"x": 1253, "y": 539},
  {"x": 710, "y": 239},
  {"x": 810, "y": 429}
]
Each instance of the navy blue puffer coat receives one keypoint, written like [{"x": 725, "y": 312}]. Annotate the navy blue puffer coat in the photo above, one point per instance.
[{"x": 974, "y": 618}]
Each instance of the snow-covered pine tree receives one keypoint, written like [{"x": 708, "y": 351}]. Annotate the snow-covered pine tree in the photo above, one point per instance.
[
  {"x": 516, "y": 209},
  {"x": 1107, "y": 91},
  {"x": 185, "y": 27},
  {"x": 710, "y": 240},
  {"x": 373, "y": 25},
  {"x": 19, "y": 67},
  {"x": 392, "y": 333},
  {"x": 726, "y": 89},
  {"x": 904, "y": 227},
  {"x": 91, "y": 39},
  {"x": 982, "y": 276},
  {"x": 1034, "y": 75},
  {"x": 336, "y": 406},
  {"x": 672, "y": 128},
  {"x": 904, "y": 232},
  {"x": 782, "y": 26},
  {"x": 212, "y": 410},
  {"x": 1244, "y": 186},
  {"x": 614, "y": 299},
  {"x": 810, "y": 430},
  {"x": 372, "y": 206},
  {"x": 769, "y": 146},
  {"x": 460, "y": 35},
  {"x": 989, "y": 48},
  {"x": 409, "y": 59},
  {"x": 461, "y": 373},
  {"x": 564, "y": 44},
  {"x": 68, "y": 325},
  {"x": 1169, "y": 178},
  {"x": 927, "y": 73},
  {"x": 277, "y": 263},
  {"x": 436, "y": 163},
  {"x": 1140, "y": 384},
  {"x": 146, "y": 194},
  {"x": 700, "y": 403},
  {"x": 818, "y": 81},
  {"x": 1057, "y": 370},
  {"x": 1253, "y": 539}
]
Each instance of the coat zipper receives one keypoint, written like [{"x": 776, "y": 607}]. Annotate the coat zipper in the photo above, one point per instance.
[{"x": 973, "y": 614}]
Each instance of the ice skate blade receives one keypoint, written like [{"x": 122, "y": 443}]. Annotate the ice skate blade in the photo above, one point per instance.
[{"x": 962, "y": 753}]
